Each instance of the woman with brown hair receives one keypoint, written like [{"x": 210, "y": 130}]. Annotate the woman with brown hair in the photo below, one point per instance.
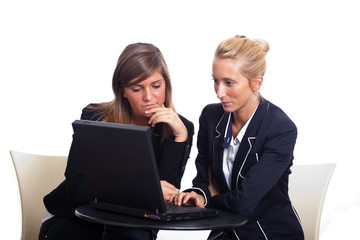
[{"x": 143, "y": 96}]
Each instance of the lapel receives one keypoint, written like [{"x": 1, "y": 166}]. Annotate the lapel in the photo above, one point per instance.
[
  {"x": 241, "y": 166},
  {"x": 218, "y": 150}
]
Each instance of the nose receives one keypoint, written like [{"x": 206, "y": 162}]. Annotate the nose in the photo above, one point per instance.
[
  {"x": 220, "y": 90},
  {"x": 147, "y": 95}
]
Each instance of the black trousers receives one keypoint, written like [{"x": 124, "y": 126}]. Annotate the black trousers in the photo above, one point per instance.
[{"x": 57, "y": 228}]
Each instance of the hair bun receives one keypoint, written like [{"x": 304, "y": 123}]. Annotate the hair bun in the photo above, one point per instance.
[{"x": 263, "y": 44}]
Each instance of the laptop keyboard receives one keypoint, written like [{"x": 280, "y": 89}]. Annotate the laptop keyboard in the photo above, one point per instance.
[{"x": 171, "y": 207}]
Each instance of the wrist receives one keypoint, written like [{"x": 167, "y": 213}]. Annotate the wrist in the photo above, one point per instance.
[{"x": 180, "y": 138}]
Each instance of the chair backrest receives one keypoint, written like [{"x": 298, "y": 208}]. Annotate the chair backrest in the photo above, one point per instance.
[
  {"x": 307, "y": 189},
  {"x": 37, "y": 175}
]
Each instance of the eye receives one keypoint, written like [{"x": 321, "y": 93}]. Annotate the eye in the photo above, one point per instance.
[
  {"x": 135, "y": 89},
  {"x": 215, "y": 80},
  {"x": 229, "y": 83},
  {"x": 157, "y": 86}
]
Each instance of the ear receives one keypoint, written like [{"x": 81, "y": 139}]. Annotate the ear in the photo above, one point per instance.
[
  {"x": 124, "y": 95},
  {"x": 257, "y": 83}
]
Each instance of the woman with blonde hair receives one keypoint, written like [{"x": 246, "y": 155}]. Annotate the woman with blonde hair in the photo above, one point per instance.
[
  {"x": 245, "y": 149},
  {"x": 143, "y": 96}
]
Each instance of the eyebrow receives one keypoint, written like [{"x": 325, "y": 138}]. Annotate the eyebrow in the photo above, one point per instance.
[
  {"x": 161, "y": 79},
  {"x": 224, "y": 78},
  {"x": 156, "y": 81}
]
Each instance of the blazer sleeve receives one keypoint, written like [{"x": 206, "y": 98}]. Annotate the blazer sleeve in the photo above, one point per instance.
[
  {"x": 202, "y": 162},
  {"x": 174, "y": 156},
  {"x": 72, "y": 192},
  {"x": 76, "y": 187}
]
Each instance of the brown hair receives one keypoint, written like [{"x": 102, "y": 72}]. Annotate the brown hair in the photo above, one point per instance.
[
  {"x": 252, "y": 52},
  {"x": 136, "y": 63}
]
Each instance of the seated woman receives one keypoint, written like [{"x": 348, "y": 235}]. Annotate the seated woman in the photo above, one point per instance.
[
  {"x": 245, "y": 149},
  {"x": 143, "y": 96}
]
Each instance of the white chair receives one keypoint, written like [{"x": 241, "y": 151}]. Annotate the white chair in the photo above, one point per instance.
[
  {"x": 37, "y": 175},
  {"x": 307, "y": 189}
]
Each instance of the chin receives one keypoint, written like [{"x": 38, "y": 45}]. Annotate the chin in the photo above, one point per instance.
[
  {"x": 228, "y": 110},
  {"x": 148, "y": 115}
]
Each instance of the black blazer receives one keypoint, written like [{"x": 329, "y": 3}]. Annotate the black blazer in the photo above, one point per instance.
[
  {"x": 171, "y": 159},
  {"x": 260, "y": 172}
]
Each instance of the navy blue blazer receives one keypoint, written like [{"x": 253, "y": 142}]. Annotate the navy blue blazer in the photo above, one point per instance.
[{"x": 259, "y": 179}]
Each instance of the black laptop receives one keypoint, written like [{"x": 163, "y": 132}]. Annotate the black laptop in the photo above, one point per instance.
[{"x": 121, "y": 172}]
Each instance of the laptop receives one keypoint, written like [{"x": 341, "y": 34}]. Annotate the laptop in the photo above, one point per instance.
[{"x": 121, "y": 172}]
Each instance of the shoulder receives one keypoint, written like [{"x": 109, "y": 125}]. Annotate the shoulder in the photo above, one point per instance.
[
  {"x": 90, "y": 112},
  {"x": 275, "y": 116},
  {"x": 212, "y": 114},
  {"x": 213, "y": 110}
]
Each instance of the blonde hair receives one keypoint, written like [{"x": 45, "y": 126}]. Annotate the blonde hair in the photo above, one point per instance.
[{"x": 251, "y": 52}]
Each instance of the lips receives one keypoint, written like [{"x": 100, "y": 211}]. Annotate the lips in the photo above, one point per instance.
[
  {"x": 149, "y": 106},
  {"x": 225, "y": 103}
]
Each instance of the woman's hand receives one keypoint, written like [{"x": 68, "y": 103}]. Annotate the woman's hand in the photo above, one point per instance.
[
  {"x": 168, "y": 190},
  {"x": 188, "y": 199},
  {"x": 168, "y": 116}
]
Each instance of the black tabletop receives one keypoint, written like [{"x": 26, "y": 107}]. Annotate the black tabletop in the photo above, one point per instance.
[{"x": 224, "y": 220}]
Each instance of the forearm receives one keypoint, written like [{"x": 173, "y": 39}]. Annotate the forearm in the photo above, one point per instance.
[
  {"x": 76, "y": 187},
  {"x": 171, "y": 161}
]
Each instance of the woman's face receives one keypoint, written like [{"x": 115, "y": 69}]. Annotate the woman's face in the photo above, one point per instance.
[
  {"x": 145, "y": 95},
  {"x": 232, "y": 88}
]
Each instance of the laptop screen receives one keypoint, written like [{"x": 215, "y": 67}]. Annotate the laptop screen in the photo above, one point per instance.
[{"x": 119, "y": 164}]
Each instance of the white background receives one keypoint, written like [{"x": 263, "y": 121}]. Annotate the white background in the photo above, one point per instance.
[{"x": 58, "y": 56}]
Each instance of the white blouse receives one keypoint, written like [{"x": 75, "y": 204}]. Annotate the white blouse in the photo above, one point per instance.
[{"x": 230, "y": 152}]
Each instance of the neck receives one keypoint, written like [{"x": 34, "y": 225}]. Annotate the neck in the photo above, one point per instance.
[
  {"x": 241, "y": 116},
  {"x": 140, "y": 121}
]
